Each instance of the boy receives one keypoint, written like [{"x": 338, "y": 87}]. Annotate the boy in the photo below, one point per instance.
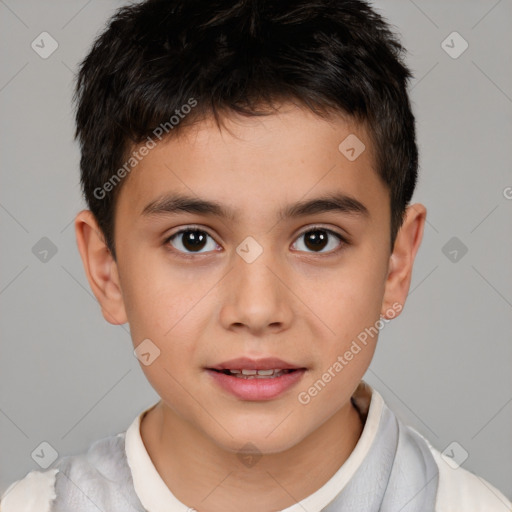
[{"x": 248, "y": 168}]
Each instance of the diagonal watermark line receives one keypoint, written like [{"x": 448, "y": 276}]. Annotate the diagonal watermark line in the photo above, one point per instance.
[
  {"x": 13, "y": 13},
  {"x": 81, "y": 490},
  {"x": 277, "y": 222},
  {"x": 68, "y": 67},
  {"x": 215, "y": 487},
  {"x": 431, "y": 225},
  {"x": 15, "y": 424},
  {"x": 484, "y": 218},
  {"x": 104, "y": 395},
  {"x": 197, "y": 195},
  {"x": 424, "y": 76},
  {"x": 286, "y": 491},
  {"x": 132, "y": 508},
  {"x": 494, "y": 288},
  {"x": 13, "y": 279},
  {"x": 507, "y": 509},
  {"x": 500, "y": 409},
  {"x": 13, "y": 217},
  {"x": 79, "y": 283},
  {"x": 176, "y": 323},
  {"x": 426, "y": 220},
  {"x": 492, "y": 81},
  {"x": 198, "y": 403},
  {"x": 13, "y": 77},
  {"x": 485, "y": 15},
  {"x": 75, "y": 15},
  {"x": 293, "y": 410},
  {"x": 67, "y": 225},
  {"x": 410, "y": 292},
  {"x": 421, "y": 490},
  {"x": 412, "y": 412},
  {"x": 425, "y": 14},
  {"x": 300, "y": 300},
  {"x": 92, "y": 296}
]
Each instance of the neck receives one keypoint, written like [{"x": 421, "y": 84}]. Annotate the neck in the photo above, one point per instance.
[{"x": 204, "y": 476}]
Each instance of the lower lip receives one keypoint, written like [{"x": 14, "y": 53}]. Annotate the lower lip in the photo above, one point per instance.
[{"x": 257, "y": 389}]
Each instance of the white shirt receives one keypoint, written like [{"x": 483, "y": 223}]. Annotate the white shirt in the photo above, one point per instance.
[{"x": 458, "y": 490}]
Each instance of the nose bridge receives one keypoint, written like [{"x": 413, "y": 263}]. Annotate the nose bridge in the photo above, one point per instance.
[
  {"x": 255, "y": 280},
  {"x": 256, "y": 297}
]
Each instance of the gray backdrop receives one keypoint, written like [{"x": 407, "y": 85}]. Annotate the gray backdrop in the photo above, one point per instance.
[{"x": 68, "y": 377}]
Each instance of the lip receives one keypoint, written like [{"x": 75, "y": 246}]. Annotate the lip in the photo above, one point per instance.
[
  {"x": 256, "y": 389},
  {"x": 245, "y": 363}
]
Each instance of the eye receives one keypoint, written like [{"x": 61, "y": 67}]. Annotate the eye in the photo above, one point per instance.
[
  {"x": 318, "y": 238},
  {"x": 192, "y": 240}
]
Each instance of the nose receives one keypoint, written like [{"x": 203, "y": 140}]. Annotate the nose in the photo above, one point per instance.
[{"x": 256, "y": 296}]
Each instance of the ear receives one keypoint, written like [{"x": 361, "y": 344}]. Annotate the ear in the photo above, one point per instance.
[
  {"x": 100, "y": 268},
  {"x": 401, "y": 261}
]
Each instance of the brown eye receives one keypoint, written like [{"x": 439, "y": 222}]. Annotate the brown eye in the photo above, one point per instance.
[
  {"x": 317, "y": 239},
  {"x": 191, "y": 240}
]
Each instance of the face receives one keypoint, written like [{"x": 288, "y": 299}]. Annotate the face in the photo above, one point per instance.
[{"x": 260, "y": 240}]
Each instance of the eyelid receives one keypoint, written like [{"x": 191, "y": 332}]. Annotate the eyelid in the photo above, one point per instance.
[
  {"x": 345, "y": 240},
  {"x": 189, "y": 227},
  {"x": 312, "y": 227}
]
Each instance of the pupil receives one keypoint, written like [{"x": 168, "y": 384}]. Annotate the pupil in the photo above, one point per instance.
[
  {"x": 193, "y": 240},
  {"x": 316, "y": 239}
]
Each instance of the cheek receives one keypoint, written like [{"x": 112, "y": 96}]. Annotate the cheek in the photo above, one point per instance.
[
  {"x": 351, "y": 295},
  {"x": 348, "y": 303},
  {"x": 365, "y": 278},
  {"x": 174, "y": 318},
  {"x": 159, "y": 298},
  {"x": 167, "y": 316}
]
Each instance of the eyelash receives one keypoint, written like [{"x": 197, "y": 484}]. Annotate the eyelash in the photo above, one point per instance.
[{"x": 341, "y": 238}]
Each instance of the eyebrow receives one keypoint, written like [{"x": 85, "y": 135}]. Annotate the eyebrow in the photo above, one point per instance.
[{"x": 176, "y": 203}]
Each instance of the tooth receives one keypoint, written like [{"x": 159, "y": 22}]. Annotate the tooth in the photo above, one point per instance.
[
  {"x": 258, "y": 374},
  {"x": 266, "y": 372},
  {"x": 247, "y": 377}
]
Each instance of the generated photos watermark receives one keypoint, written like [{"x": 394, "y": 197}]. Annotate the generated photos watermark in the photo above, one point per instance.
[
  {"x": 304, "y": 397},
  {"x": 137, "y": 155}
]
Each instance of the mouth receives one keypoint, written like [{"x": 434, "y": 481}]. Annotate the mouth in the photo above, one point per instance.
[
  {"x": 250, "y": 367},
  {"x": 256, "y": 380},
  {"x": 257, "y": 374}
]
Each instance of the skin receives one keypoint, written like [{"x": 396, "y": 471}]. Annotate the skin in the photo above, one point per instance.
[{"x": 301, "y": 305}]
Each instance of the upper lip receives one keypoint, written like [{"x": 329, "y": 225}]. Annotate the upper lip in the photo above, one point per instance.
[{"x": 245, "y": 363}]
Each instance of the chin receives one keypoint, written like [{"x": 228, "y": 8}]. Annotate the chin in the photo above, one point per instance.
[{"x": 257, "y": 440}]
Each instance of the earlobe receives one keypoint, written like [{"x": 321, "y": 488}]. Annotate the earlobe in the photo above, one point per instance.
[
  {"x": 100, "y": 268},
  {"x": 401, "y": 261}
]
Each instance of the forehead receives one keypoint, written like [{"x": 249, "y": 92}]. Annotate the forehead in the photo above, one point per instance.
[{"x": 252, "y": 164}]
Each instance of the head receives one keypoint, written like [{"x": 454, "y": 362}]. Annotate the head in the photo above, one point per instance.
[{"x": 282, "y": 135}]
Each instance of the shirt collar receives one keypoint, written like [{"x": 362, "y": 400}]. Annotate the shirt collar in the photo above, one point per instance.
[{"x": 155, "y": 496}]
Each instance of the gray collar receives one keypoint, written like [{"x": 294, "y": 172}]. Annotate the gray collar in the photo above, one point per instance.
[{"x": 399, "y": 474}]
